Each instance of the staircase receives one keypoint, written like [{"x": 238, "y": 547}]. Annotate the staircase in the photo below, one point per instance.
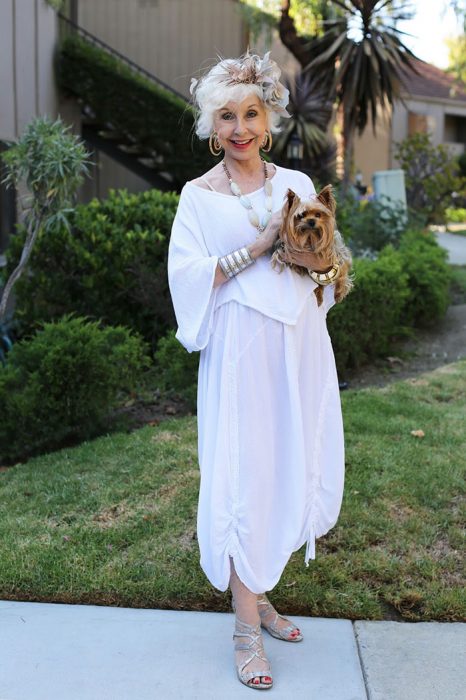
[{"x": 116, "y": 138}]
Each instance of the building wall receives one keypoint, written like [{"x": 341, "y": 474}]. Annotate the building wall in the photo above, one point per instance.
[
  {"x": 445, "y": 120},
  {"x": 172, "y": 39},
  {"x": 435, "y": 117},
  {"x": 28, "y": 30},
  {"x": 372, "y": 153}
]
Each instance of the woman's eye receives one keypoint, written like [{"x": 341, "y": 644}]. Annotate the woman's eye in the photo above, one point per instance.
[
  {"x": 252, "y": 114},
  {"x": 227, "y": 115}
]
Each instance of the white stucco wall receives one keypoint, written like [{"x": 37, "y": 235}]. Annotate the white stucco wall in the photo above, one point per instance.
[{"x": 28, "y": 31}]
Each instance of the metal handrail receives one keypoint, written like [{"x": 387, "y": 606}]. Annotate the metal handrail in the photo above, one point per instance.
[{"x": 109, "y": 49}]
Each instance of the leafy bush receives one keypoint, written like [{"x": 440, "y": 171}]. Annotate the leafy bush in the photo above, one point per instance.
[
  {"x": 368, "y": 226},
  {"x": 63, "y": 381},
  {"x": 111, "y": 265},
  {"x": 177, "y": 368},
  {"x": 159, "y": 120},
  {"x": 47, "y": 164},
  {"x": 364, "y": 325},
  {"x": 431, "y": 176},
  {"x": 429, "y": 278},
  {"x": 455, "y": 216}
]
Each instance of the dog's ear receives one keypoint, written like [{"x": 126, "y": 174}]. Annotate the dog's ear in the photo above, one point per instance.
[
  {"x": 327, "y": 198},
  {"x": 290, "y": 197}
]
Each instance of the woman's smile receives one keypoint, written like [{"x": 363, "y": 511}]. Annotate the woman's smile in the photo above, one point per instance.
[{"x": 242, "y": 144}]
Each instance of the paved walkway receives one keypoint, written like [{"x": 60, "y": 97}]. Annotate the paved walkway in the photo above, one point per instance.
[
  {"x": 52, "y": 651},
  {"x": 456, "y": 246}
]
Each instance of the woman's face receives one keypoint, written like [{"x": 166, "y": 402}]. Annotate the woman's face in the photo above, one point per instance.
[{"x": 241, "y": 127}]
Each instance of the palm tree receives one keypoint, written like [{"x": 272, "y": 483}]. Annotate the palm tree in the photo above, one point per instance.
[
  {"x": 311, "y": 110},
  {"x": 363, "y": 50}
]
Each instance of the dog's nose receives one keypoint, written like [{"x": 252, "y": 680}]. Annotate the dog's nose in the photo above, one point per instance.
[{"x": 311, "y": 222}]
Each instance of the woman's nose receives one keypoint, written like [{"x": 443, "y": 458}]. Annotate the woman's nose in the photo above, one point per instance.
[{"x": 240, "y": 126}]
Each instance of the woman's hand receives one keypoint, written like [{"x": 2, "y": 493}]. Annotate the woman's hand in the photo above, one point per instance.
[
  {"x": 271, "y": 231},
  {"x": 307, "y": 259}
]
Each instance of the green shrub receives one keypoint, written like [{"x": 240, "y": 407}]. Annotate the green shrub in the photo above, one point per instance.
[
  {"x": 177, "y": 368},
  {"x": 368, "y": 226},
  {"x": 111, "y": 265},
  {"x": 363, "y": 326},
  {"x": 429, "y": 278},
  {"x": 455, "y": 216},
  {"x": 63, "y": 381},
  {"x": 432, "y": 175}
]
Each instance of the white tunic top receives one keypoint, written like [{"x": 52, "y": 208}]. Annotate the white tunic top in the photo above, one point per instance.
[
  {"x": 270, "y": 432},
  {"x": 210, "y": 224}
]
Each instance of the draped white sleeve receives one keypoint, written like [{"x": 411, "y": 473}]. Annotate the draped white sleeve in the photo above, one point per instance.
[{"x": 191, "y": 272}]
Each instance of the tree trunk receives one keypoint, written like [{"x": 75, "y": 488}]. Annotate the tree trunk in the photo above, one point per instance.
[
  {"x": 349, "y": 129},
  {"x": 290, "y": 38},
  {"x": 33, "y": 229}
]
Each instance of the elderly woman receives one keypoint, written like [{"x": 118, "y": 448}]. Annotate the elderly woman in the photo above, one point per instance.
[{"x": 270, "y": 432}]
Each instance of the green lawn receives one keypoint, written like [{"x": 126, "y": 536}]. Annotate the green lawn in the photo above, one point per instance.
[{"x": 113, "y": 521}]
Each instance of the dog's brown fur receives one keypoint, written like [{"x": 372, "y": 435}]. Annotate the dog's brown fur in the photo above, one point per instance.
[{"x": 309, "y": 225}]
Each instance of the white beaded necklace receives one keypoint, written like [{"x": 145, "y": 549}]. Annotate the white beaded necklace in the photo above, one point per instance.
[{"x": 253, "y": 217}]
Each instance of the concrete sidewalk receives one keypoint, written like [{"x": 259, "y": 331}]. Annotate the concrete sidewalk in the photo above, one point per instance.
[
  {"x": 51, "y": 651},
  {"x": 456, "y": 246}
]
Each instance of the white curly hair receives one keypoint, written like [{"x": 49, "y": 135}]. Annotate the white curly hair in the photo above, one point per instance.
[{"x": 233, "y": 80}]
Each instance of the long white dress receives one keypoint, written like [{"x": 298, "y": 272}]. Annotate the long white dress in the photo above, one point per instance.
[{"x": 270, "y": 429}]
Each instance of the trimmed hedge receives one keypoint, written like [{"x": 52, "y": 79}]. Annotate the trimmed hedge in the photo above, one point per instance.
[
  {"x": 159, "y": 120},
  {"x": 364, "y": 325},
  {"x": 62, "y": 382},
  {"x": 429, "y": 278},
  {"x": 110, "y": 265},
  {"x": 177, "y": 368}
]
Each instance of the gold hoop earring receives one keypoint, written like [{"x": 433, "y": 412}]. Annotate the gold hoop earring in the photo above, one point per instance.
[
  {"x": 266, "y": 145},
  {"x": 215, "y": 145}
]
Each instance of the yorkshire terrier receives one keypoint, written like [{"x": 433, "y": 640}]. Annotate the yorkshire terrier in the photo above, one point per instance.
[{"x": 309, "y": 225}]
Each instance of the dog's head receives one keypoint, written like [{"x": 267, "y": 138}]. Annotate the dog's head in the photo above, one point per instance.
[{"x": 309, "y": 224}]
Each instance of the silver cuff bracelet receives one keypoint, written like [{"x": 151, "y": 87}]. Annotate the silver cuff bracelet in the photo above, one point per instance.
[{"x": 235, "y": 262}]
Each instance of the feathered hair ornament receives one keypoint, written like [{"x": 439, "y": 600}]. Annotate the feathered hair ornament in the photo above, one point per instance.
[{"x": 254, "y": 70}]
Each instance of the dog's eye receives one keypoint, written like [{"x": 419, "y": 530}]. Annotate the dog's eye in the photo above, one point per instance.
[
  {"x": 317, "y": 215},
  {"x": 300, "y": 216}
]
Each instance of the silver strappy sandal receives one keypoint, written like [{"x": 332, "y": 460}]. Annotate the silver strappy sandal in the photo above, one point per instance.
[
  {"x": 265, "y": 607},
  {"x": 256, "y": 647}
]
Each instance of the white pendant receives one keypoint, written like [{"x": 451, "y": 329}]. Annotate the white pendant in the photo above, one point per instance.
[
  {"x": 268, "y": 187},
  {"x": 253, "y": 218},
  {"x": 268, "y": 203},
  {"x": 245, "y": 201},
  {"x": 235, "y": 189},
  {"x": 265, "y": 219}
]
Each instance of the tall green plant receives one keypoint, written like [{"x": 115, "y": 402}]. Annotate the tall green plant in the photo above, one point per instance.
[
  {"x": 358, "y": 55},
  {"x": 52, "y": 163},
  {"x": 432, "y": 175},
  {"x": 311, "y": 110},
  {"x": 365, "y": 49}
]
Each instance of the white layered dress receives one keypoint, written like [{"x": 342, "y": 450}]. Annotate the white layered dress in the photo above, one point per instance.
[{"x": 270, "y": 430}]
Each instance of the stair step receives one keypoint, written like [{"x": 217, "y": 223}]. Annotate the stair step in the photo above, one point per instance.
[
  {"x": 111, "y": 135},
  {"x": 132, "y": 149},
  {"x": 148, "y": 162}
]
